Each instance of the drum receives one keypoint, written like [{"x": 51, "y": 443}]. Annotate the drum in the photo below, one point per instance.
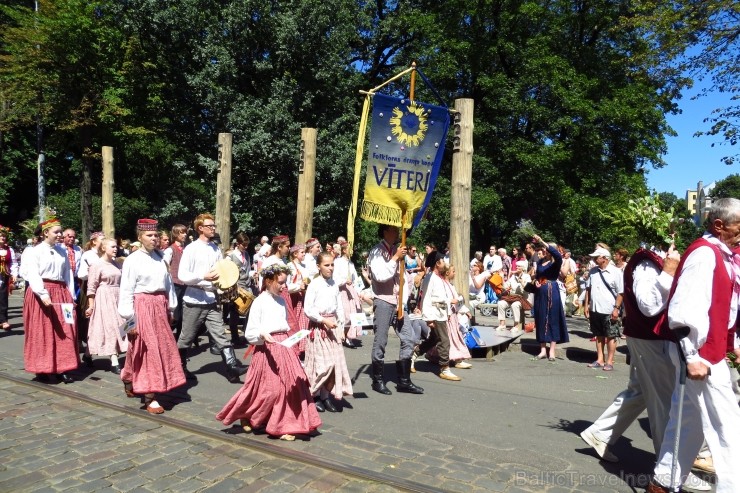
[
  {"x": 243, "y": 301},
  {"x": 227, "y": 295}
]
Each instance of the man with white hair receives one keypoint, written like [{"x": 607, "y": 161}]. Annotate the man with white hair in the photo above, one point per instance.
[
  {"x": 516, "y": 299},
  {"x": 505, "y": 263},
  {"x": 604, "y": 292},
  {"x": 702, "y": 311}
]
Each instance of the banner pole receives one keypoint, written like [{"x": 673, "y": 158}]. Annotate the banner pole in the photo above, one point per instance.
[
  {"x": 401, "y": 266},
  {"x": 413, "y": 81}
]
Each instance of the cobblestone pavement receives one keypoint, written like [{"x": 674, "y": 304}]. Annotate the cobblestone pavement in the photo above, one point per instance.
[{"x": 510, "y": 426}]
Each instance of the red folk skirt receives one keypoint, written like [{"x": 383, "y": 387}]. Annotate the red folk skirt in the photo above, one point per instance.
[
  {"x": 152, "y": 361},
  {"x": 275, "y": 393},
  {"x": 50, "y": 344}
]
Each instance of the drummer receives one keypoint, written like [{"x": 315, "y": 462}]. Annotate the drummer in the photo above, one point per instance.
[{"x": 200, "y": 306}]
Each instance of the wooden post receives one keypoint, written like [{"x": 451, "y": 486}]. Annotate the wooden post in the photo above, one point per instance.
[
  {"x": 306, "y": 183},
  {"x": 109, "y": 225},
  {"x": 462, "y": 176},
  {"x": 223, "y": 191}
]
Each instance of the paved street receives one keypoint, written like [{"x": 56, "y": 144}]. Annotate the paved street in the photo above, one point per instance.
[{"x": 511, "y": 425}]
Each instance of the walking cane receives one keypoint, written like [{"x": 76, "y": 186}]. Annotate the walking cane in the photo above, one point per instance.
[{"x": 681, "y": 392}]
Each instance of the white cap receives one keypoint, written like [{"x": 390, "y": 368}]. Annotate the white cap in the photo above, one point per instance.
[{"x": 601, "y": 252}]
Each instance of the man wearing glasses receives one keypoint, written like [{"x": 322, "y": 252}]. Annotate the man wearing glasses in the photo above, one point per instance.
[{"x": 200, "y": 305}]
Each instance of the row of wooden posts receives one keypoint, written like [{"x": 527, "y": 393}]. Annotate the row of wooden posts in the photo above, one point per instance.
[{"x": 462, "y": 169}]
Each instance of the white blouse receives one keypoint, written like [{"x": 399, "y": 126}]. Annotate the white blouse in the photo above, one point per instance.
[
  {"x": 344, "y": 270},
  {"x": 88, "y": 258},
  {"x": 295, "y": 278},
  {"x": 322, "y": 296},
  {"x": 144, "y": 273},
  {"x": 47, "y": 262},
  {"x": 267, "y": 315}
]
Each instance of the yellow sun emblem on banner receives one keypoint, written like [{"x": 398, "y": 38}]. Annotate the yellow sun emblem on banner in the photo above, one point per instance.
[{"x": 409, "y": 127}]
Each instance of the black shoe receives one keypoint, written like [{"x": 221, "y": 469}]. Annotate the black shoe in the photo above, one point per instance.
[
  {"x": 65, "y": 378},
  {"x": 378, "y": 383},
  {"x": 184, "y": 360},
  {"x": 87, "y": 360},
  {"x": 319, "y": 405},
  {"x": 214, "y": 350},
  {"x": 115, "y": 369},
  {"x": 239, "y": 342},
  {"x": 349, "y": 344},
  {"x": 42, "y": 377},
  {"x": 329, "y": 405},
  {"x": 403, "y": 371},
  {"x": 234, "y": 368}
]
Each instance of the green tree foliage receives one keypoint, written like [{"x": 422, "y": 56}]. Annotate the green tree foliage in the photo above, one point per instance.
[
  {"x": 727, "y": 188},
  {"x": 570, "y": 103}
]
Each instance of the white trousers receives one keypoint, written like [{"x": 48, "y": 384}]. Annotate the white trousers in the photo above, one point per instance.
[
  {"x": 516, "y": 310},
  {"x": 710, "y": 412},
  {"x": 652, "y": 377}
]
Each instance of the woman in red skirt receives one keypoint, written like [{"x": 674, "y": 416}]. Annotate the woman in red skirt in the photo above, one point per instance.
[
  {"x": 50, "y": 345},
  {"x": 275, "y": 395},
  {"x": 153, "y": 362},
  {"x": 296, "y": 287}
]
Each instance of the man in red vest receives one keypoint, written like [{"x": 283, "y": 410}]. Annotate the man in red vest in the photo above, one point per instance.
[{"x": 702, "y": 310}]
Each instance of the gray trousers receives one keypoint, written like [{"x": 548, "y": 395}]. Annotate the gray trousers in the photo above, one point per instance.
[
  {"x": 195, "y": 315},
  {"x": 385, "y": 317}
]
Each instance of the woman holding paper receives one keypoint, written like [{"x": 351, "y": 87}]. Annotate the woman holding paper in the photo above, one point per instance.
[
  {"x": 147, "y": 294},
  {"x": 275, "y": 395},
  {"x": 326, "y": 366},
  {"x": 103, "y": 335},
  {"x": 296, "y": 284},
  {"x": 50, "y": 345},
  {"x": 346, "y": 276}
]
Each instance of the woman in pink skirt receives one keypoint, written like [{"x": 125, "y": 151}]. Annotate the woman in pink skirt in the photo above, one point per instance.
[
  {"x": 326, "y": 366},
  {"x": 50, "y": 345},
  {"x": 103, "y": 334},
  {"x": 153, "y": 363},
  {"x": 458, "y": 349},
  {"x": 345, "y": 275},
  {"x": 275, "y": 395},
  {"x": 296, "y": 287}
]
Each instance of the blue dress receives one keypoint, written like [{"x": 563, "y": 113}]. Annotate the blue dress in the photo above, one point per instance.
[{"x": 549, "y": 317}]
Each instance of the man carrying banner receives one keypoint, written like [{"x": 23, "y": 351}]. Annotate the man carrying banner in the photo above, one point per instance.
[{"x": 384, "y": 261}]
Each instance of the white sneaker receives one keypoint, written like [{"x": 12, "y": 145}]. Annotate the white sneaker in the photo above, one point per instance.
[
  {"x": 463, "y": 365},
  {"x": 599, "y": 446},
  {"x": 501, "y": 330},
  {"x": 515, "y": 331},
  {"x": 695, "y": 483}
]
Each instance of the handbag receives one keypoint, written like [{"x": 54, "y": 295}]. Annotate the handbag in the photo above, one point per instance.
[
  {"x": 473, "y": 339},
  {"x": 571, "y": 286}
]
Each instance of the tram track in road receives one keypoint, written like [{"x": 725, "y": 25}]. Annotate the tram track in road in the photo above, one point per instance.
[{"x": 239, "y": 440}]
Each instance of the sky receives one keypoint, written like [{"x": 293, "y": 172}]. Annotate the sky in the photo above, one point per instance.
[{"x": 692, "y": 159}]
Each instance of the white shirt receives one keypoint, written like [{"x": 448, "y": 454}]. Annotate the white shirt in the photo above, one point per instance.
[
  {"x": 267, "y": 315},
  {"x": 144, "y": 273},
  {"x": 690, "y": 304},
  {"x": 344, "y": 270},
  {"x": 47, "y": 262},
  {"x": 495, "y": 262},
  {"x": 198, "y": 259},
  {"x": 78, "y": 256},
  {"x": 322, "y": 296},
  {"x": 312, "y": 270},
  {"x": 384, "y": 272},
  {"x": 27, "y": 252},
  {"x": 88, "y": 258},
  {"x": 516, "y": 284},
  {"x": 601, "y": 297},
  {"x": 651, "y": 287},
  {"x": 475, "y": 292},
  {"x": 296, "y": 276},
  {"x": 437, "y": 292}
]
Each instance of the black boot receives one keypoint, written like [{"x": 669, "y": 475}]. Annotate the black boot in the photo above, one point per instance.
[
  {"x": 234, "y": 368},
  {"x": 378, "y": 383},
  {"x": 184, "y": 360},
  {"x": 239, "y": 342},
  {"x": 403, "y": 371}
]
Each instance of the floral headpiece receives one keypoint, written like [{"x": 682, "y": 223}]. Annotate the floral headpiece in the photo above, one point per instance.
[
  {"x": 4, "y": 231},
  {"x": 311, "y": 242},
  {"x": 296, "y": 247},
  {"x": 276, "y": 240},
  {"x": 50, "y": 223},
  {"x": 147, "y": 224},
  {"x": 97, "y": 234},
  {"x": 274, "y": 270}
]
